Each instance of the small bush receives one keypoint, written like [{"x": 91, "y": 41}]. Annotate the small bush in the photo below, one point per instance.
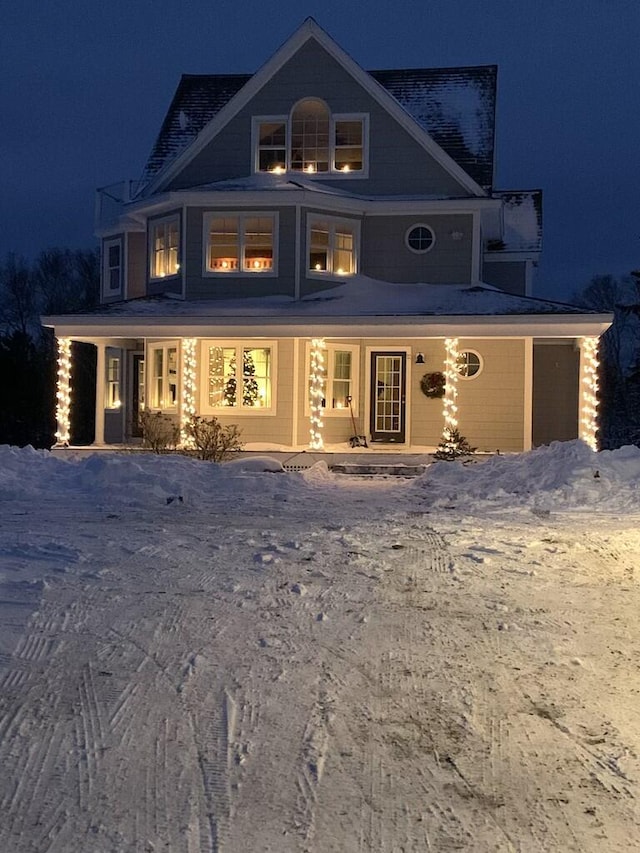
[
  {"x": 453, "y": 446},
  {"x": 159, "y": 432},
  {"x": 212, "y": 441}
]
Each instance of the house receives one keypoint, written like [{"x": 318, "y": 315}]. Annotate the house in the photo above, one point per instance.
[{"x": 311, "y": 247}]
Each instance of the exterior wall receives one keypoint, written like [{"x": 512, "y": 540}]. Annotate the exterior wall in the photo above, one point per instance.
[
  {"x": 397, "y": 163},
  {"x": 556, "y": 374},
  {"x": 136, "y": 259},
  {"x": 386, "y": 256},
  {"x": 510, "y": 276},
  {"x": 199, "y": 286}
]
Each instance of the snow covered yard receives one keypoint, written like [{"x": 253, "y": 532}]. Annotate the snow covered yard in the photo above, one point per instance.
[{"x": 200, "y": 658}]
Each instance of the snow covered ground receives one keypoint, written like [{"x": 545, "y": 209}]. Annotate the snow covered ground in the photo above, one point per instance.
[{"x": 199, "y": 658}]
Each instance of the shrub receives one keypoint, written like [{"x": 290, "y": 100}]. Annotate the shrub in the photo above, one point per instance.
[
  {"x": 212, "y": 441},
  {"x": 453, "y": 446},
  {"x": 159, "y": 432}
]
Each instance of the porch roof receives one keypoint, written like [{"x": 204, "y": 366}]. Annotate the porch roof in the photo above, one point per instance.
[{"x": 361, "y": 305}]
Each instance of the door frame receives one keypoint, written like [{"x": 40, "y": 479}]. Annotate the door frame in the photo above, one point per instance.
[{"x": 390, "y": 348}]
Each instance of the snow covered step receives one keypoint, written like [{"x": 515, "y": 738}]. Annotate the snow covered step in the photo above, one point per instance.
[{"x": 398, "y": 470}]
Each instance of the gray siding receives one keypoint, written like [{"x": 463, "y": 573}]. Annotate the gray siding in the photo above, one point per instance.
[
  {"x": 199, "y": 286},
  {"x": 385, "y": 254},
  {"x": 397, "y": 163},
  {"x": 556, "y": 372},
  {"x": 136, "y": 265},
  {"x": 510, "y": 276}
]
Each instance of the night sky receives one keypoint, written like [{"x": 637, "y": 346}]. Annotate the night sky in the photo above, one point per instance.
[{"x": 86, "y": 85}]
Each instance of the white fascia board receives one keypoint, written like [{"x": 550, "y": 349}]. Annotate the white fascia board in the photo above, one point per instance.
[
  {"x": 504, "y": 326},
  {"x": 506, "y": 255},
  {"x": 310, "y": 29},
  {"x": 348, "y": 204}
]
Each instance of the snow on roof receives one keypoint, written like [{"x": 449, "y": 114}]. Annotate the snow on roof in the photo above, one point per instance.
[
  {"x": 456, "y": 106},
  {"x": 360, "y": 296},
  {"x": 522, "y": 221}
]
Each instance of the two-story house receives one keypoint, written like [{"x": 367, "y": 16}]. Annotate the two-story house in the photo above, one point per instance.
[{"x": 309, "y": 247}]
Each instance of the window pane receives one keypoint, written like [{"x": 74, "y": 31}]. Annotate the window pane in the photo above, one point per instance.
[
  {"x": 222, "y": 377},
  {"x": 273, "y": 133},
  {"x": 343, "y": 253},
  {"x": 172, "y": 378},
  {"x": 258, "y": 244},
  {"x": 319, "y": 249},
  {"x": 256, "y": 378},
  {"x": 310, "y": 137},
  {"x": 157, "y": 378},
  {"x": 348, "y": 146},
  {"x": 113, "y": 383},
  {"x": 223, "y": 244}
]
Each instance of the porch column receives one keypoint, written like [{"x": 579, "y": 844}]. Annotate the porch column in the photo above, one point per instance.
[
  {"x": 188, "y": 406},
  {"x": 63, "y": 393},
  {"x": 316, "y": 393},
  {"x": 450, "y": 408},
  {"x": 100, "y": 395},
  {"x": 588, "y": 414}
]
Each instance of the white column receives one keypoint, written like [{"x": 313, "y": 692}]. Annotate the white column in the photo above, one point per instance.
[
  {"x": 100, "y": 379},
  {"x": 450, "y": 407},
  {"x": 316, "y": 393},
  {"x": 588, "y": 414},
  {"x": 63, "y": 393},
  {"x": 188, "y": 406}
]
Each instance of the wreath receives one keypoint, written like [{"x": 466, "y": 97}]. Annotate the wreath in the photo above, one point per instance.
[{"x": 432, "y": 384}]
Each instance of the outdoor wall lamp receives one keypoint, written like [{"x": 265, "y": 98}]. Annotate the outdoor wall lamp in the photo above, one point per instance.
[{"x": 420, "y": 358}]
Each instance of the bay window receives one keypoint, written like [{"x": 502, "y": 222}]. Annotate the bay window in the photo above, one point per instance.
[
  {"x": 165, "y": 246},
  {"x": 332, "y": 246},
  {"x": 240, "y": 243},
  {"x": 238, "y": 376}
]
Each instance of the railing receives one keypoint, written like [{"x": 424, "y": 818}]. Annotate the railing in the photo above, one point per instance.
[{"x": 110, "y": 201}]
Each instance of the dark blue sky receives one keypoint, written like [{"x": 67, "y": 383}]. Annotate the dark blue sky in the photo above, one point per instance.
[{"x": 86, "y": 85}]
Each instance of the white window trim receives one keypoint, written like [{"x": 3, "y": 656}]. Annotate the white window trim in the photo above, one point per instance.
[
  {"x": 333, "y": 221},
  {"x": 106, "y": 278},
  {"x": 419, "y": 225},
  {"x": 236, "y": 411},
  {"x": 333, "y": 118},
  {"x": 149, "y": 377},
  {"x": 152, "y": 225},
  {"x": 463, "y": 349},
  {"x": 330, "y": 350},
  {"x": 240, "y": 214}
]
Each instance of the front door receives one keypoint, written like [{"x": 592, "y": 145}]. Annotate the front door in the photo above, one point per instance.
[
  {"x": 388, "y": 385},
  {"x": 137, "y": 387}
]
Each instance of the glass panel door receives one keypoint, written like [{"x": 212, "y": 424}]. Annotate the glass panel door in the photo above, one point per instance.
[{"x": 388, "y": 383}]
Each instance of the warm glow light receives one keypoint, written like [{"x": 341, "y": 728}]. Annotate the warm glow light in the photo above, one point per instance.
[
  {"x": 188, "y": 409},
  {"x": 316, "y": 393},
  {"x": 318, "y": 267},
  {"x": 346, "y": 168},
  {"x": 277, "y": 170},
  {"x": 450, "y": 408},
  {"x": 310, "y": 168},
  {"x": 63, "y": 392},
  {"x": 589, "y": 392}
]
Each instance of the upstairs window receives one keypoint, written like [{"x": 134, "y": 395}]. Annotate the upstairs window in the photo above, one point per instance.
[
  {"x": 311, "y": 140},
  {"x": 112, "y": 268},
  {"x": 332, "y": 247},
  {"x": 240, "y": 243},
  {"x": 164, "y": 249}
]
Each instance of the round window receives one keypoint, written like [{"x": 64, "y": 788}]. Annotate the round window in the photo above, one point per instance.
[
  {"x": 469, "y": 364},
  {"x": 420, "y": 238}
]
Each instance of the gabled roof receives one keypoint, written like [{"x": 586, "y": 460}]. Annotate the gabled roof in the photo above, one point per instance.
[{"x": 454, "y": 108}]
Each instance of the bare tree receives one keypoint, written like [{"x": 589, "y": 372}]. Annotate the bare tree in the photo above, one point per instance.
[{"x": 18, "y": 296}]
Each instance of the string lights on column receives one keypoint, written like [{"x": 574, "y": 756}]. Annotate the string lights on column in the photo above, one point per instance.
[
  {"x": 316, "y": 393},
  {"x": 188, "y": 407},
  {"x": 63, "y": 392},
  {"x": 589, "y": 395},
  {"x": 450, "y": 408}
]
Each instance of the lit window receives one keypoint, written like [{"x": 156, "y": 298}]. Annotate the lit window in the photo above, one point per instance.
[
  {"x": 311, "y": 140},
  {"x": 332, "y": 247},
  {"x": 239, "y": 377},
  {"x": 240, "y": 243},
  {"x": 113, "y": 383},
  {"x": 163, "y": 379},
  {"x": 339, "y": 382},
  {"x": 420, "y": 238},
  {"x": 469, "y": 364},
  {"x": 165, "y": 239},
  {"x": 112, "y": 268}
]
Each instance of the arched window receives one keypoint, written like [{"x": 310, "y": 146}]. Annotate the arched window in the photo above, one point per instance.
[{"x": 310, "y": 122}]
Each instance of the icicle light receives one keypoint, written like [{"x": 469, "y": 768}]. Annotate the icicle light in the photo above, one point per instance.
[
  {"x": 450, "y": 408},
  {"x": 188, "y": 408},
  {"x": 316, "y": 393},
  {"x": 589, "y": 395},
  {"x": 63, "y": 392}
]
